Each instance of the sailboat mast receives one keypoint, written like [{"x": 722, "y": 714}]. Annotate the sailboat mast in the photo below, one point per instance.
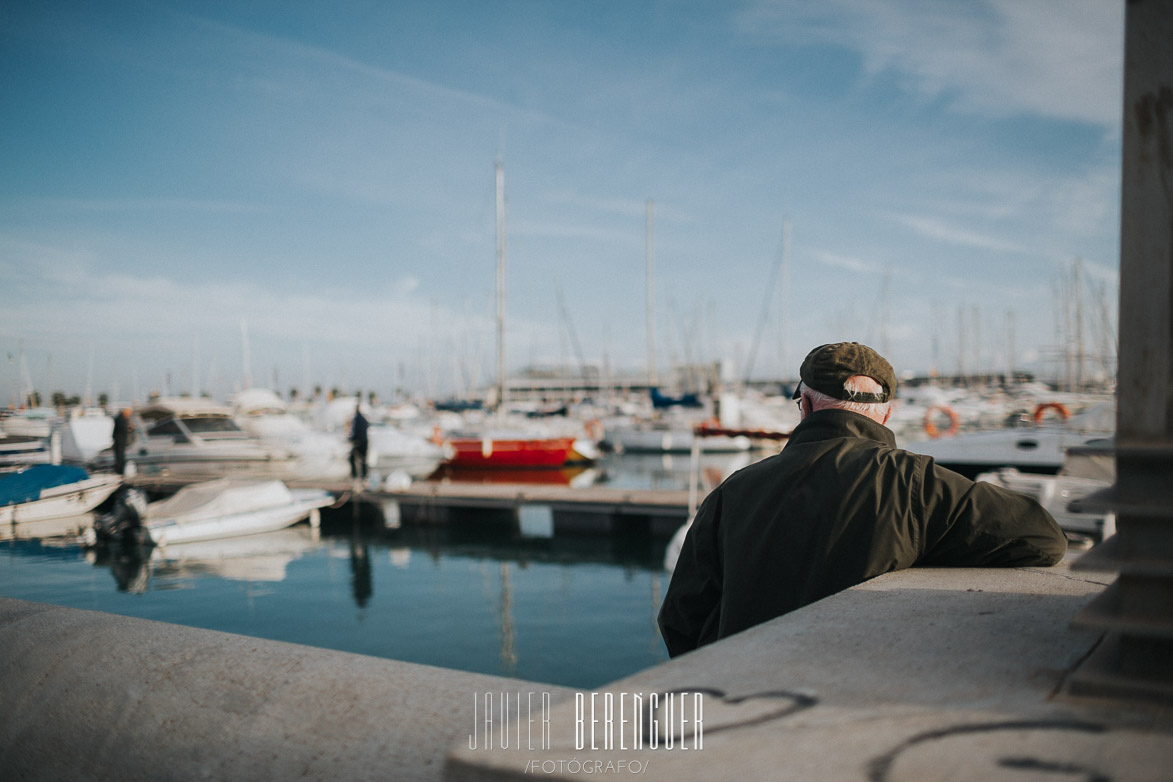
[
  {"x": 501, "y": 385},
  {"x": 246, "y": 358},
  {"x": 195, "y": 367},
  {"x": 784, "y": 310},
  {"x": 652, "y": 380}
]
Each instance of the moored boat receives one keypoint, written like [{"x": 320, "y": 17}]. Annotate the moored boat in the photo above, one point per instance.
[
  {"x": 25, "y": 449},
  {"x": 317, "y": 455},
  {"x": 1037, "y": 446},
  {"x": 197, "y": 439},
  {"x": 222, "y": 508},
  {"x": 51, "y": 491},
  {"x": 509, "y": 449},
  {"x": 657, "y": 437}
]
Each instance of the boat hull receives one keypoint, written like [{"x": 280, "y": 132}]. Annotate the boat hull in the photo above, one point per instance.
[
  {"x": 306, "y": 502},
  {"x": 209, "y": 464},
  {"x": 24, "y": 450},
  {"x": 671, "y": 441},
  {"x": 529, "y": 453},
  {"x": 62, "y": 502}
]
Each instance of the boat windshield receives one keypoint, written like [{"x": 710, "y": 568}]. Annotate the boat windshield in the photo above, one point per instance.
[{"x": 210, "y": 425}]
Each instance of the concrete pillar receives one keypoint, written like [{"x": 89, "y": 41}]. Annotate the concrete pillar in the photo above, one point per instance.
[{"x": 1133, "y": 661}]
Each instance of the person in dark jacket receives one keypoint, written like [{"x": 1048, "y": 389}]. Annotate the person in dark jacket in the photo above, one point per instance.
[
  {"x": 838, "y": 505},
  {"x": 358, "y": 445},
  {"x": 121, "y": 436}
]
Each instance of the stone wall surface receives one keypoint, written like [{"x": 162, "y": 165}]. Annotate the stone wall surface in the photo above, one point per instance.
[
  {"x": 87, "y": 695},
  {"x": 925, "y": 674}
]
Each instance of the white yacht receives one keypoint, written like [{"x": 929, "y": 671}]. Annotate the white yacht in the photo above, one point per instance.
[
  {"x": 1031, "y": 447},
  {"x": 319, "y": 455},
  {"x": 196, "y": 439},
  {"x": 392, "y": 448}
]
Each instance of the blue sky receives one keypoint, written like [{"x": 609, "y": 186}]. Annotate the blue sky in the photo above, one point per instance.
[{"x": 324, "y": 174}]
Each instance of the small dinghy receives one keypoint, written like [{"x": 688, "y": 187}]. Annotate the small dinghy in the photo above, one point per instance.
[
  {"x": 223, "y": 508},
  {"x": 51, "y": 491}
]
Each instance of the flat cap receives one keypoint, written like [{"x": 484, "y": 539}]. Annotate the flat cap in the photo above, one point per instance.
[{"x": 827, "y": 367}]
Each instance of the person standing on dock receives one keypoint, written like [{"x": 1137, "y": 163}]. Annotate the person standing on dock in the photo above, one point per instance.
[
  {"x": 121, "y": 436},
  {"x": 358, "y": 445},
  {"x": 839, "y": 505}
]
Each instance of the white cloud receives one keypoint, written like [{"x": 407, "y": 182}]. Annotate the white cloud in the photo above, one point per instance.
[
  {"x": 566, "y": 230},
  {"x": 356, "y": 337},
  {"x": 949, "y": 234},
  {"x": 321, "y": 63},
  {"x": 142, "y": 204},
  {"x": 1051, "y": 58},
  {"x": 847, "y": 262}
]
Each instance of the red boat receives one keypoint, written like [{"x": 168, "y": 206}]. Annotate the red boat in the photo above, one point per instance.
[
  {"x": 545, "y": 476},
  {"x": 514, "y": 450}
]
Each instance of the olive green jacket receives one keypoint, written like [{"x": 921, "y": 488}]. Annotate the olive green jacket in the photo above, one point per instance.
[{"x": 839, "y": 505}]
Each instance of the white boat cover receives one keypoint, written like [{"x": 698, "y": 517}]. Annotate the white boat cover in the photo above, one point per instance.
[{"x": 221, "y": 497}]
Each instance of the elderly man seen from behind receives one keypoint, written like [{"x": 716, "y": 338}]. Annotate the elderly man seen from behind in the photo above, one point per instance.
[{"x": 839, "y": 505}]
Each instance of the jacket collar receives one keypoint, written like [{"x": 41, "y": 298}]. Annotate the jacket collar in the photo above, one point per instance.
[{"x": 830, "y": 424}]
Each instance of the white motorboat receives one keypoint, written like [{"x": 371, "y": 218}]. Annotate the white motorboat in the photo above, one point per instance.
[
  {"x": 1085, "y": 471},
  {"x": 228, "y": 508},
  {"x": 1056, "y": 493},
  {"x": 25, "y": 449},
  {"x": 44, "y": 492},
  {"x": 391, "y": 448},
  {"x": 28, "y": 437},
  {"x": 648, "y": 437},
  {"x": 1036, "y": 448},
  {"x": 197, "y": 439},
  {"x": 318, "y": 455},
  {"x": 29, "y": 422}
]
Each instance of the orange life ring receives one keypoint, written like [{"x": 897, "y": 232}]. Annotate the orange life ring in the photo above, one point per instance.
[
  {"x": 437, "y": 435},
  {"x": 594, "y": 429},
  {"x": 931, "y": 428},
  {"x": 1064, "y": 413}
]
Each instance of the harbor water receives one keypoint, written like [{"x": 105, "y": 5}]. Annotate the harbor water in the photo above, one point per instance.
[{"x": 479, "y": 595}]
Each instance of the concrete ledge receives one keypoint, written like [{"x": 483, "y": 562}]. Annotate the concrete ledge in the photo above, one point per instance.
[
  {"x": 87, "y": 695},
  {"x": 923, "y": 674}
]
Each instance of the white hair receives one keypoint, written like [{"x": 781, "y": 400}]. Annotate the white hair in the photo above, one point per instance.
[{"x": 856, "y": 384}]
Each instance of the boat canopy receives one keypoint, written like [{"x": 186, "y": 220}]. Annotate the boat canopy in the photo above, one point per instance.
[
  {"x": 220, "y": 498},
  {"x": 26, "y": 485}
]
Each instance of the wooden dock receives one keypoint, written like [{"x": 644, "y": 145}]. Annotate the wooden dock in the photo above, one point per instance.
[
  {"x": 588, "y": 509},
  {"x": 592, "y": 499},
  {"x": 595, "y": 510}
]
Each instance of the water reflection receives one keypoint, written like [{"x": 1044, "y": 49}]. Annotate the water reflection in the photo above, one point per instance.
[
  {"x": 363, "y": 526},
  {"x": 475, "y": 595},
  {"x": 578, "y": 476},
  {"x": 127, "y": 563},
  {"x": 361, "y": 578},
  {"x": 66, "y": 526},
  {"x": 264, "y": 557},
  {"x": 672, "y": 470},
  {"x": 508, "y": 654}
]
